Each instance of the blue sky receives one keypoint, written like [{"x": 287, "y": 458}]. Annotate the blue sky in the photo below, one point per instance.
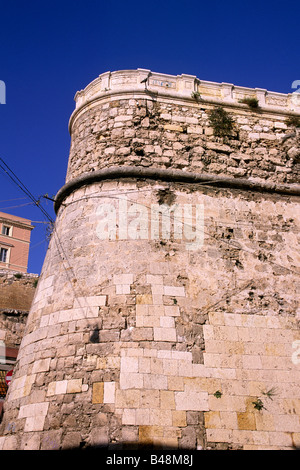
[{"x": 51, "y": 49}]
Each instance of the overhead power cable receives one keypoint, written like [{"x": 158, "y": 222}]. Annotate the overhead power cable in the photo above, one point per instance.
[
  {"x": 15, "y": 207},
  {"x": 14, "y": 199},
  {"x": 68, "y": 269},
  {"x": 23, "y": 188}
]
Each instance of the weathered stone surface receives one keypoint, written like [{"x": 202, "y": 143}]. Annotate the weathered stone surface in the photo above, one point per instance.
[{"x": 157, "y": 330}]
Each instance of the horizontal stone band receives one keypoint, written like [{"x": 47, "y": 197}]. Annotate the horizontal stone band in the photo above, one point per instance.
[{"x": 171, "y": 175}]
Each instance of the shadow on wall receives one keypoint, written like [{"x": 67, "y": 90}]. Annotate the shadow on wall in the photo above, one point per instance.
[
  {"x": 125, "y": 447},
  {"x": 148, "y": 449}
]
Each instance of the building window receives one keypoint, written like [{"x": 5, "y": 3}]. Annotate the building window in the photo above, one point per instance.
[
  {"x": 6, "y": 230},
  {"x": 3, "y": 255}
]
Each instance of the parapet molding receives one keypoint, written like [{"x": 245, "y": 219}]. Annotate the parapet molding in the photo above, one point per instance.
[{"x": 143, "y": 82}]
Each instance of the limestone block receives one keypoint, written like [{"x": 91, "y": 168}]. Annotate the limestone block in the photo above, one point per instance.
[
  {"x": 129, "y": 416},
  {"x": 123, "y": 118},
  {"x": 166, "y": 116},
  {"x": 34, "y": 423},
  {"x": 167, "y": 322},
  {"x": 129, "y": 435},
  {"x": 167, "y": 400},
  {"x": 174, "y": 291},
  {"x": 42, "y": 365},
  {"x": 141, "y": 309},
  {"x": 246, "y": 420},
  {"x": 175, "y": 383},
  {"x": 254, "y": 135},
  {"x": 155, "y": 381},
  {"x": 127, "y": 398},
  {"x": 185, "y": 368},
  {"x": 109, "y": 392},
  {"x": 191, "y": 400},
  {"x": 219, "y": 435},
  {"x": 170, "y": 367},
  {"x": 131, "y": 380},
  {"x": 123, "y": 279},
  {"x": 92, "y": 301},
  {"x": 177, "y": 118},
  {"x": 195, "y": 130},
  {"x": 173, "y": 127},
  {"x": 35, "y": 409},
  {"x": 154, "y": 279},
  {"x": 144, "y": 365},
  {"x": 156, "y": 366},
  {"x": 213, "y": 420},
  {"x": 30, "y": 442},
  {"x": 74, "y": 386},
  {"x": 149, "y": 398},
  {"x": 191, "y": 120},
  {"x": 61, "y": 387},
  {"x": 142, "y": 334},
  {"x": 172, "y": 310},
  {"x": 144, "y": 299},
  {"x": 109, "y": 335},
  {"x": 71, "y": 440},
  {"x": 122, "y": 289},
  {"x": 98, "y": 437},
  {"x": 142, "y": 417},
  {"x": 129, "y": 364},
  {"x": 98, "y": 392},
  {"x": 160, "y": 417},
  {"x": 164, "y": 334},
  {"x": 148, "y": 321},
  {"x": 179, "y": 418},
  {"x": 110, "y": 150}
]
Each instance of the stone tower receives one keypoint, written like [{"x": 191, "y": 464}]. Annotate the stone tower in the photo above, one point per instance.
[{"x": 166, "y": 311}]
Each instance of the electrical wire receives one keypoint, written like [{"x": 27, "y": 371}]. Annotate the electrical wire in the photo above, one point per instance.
[
  {"x": 64, "y": 257},
  {"x": 15, "y": 207},
  {"x": 68, "y": 269},
  {"x": 23, "y": 188},
  {"x": 14, "y": 199}
]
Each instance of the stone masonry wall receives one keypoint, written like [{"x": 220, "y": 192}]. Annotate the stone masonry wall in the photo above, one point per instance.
[
  {"x": 164, "y": 135},
  {"x": 176, "y": 330}
]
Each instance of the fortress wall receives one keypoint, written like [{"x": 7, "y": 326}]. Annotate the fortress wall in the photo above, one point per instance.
[{"x": 166, "y": 312}]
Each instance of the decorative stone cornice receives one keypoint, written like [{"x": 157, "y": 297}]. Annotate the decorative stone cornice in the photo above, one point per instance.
[{"x": 143, "y": 82}]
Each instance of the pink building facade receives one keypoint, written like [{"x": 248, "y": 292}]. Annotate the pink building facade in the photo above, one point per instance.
[{"x": 14, "y": 242}]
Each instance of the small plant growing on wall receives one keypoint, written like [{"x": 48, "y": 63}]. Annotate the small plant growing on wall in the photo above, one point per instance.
[
  {"x": 196, "y": 96},
  {"x": 258, "y": 404},
  {"x": 270, "y": 393},
  {"x": 220, "y": 121},
  {"x": 251, "y": 102},
  {"x": 218, "y": 394}
]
